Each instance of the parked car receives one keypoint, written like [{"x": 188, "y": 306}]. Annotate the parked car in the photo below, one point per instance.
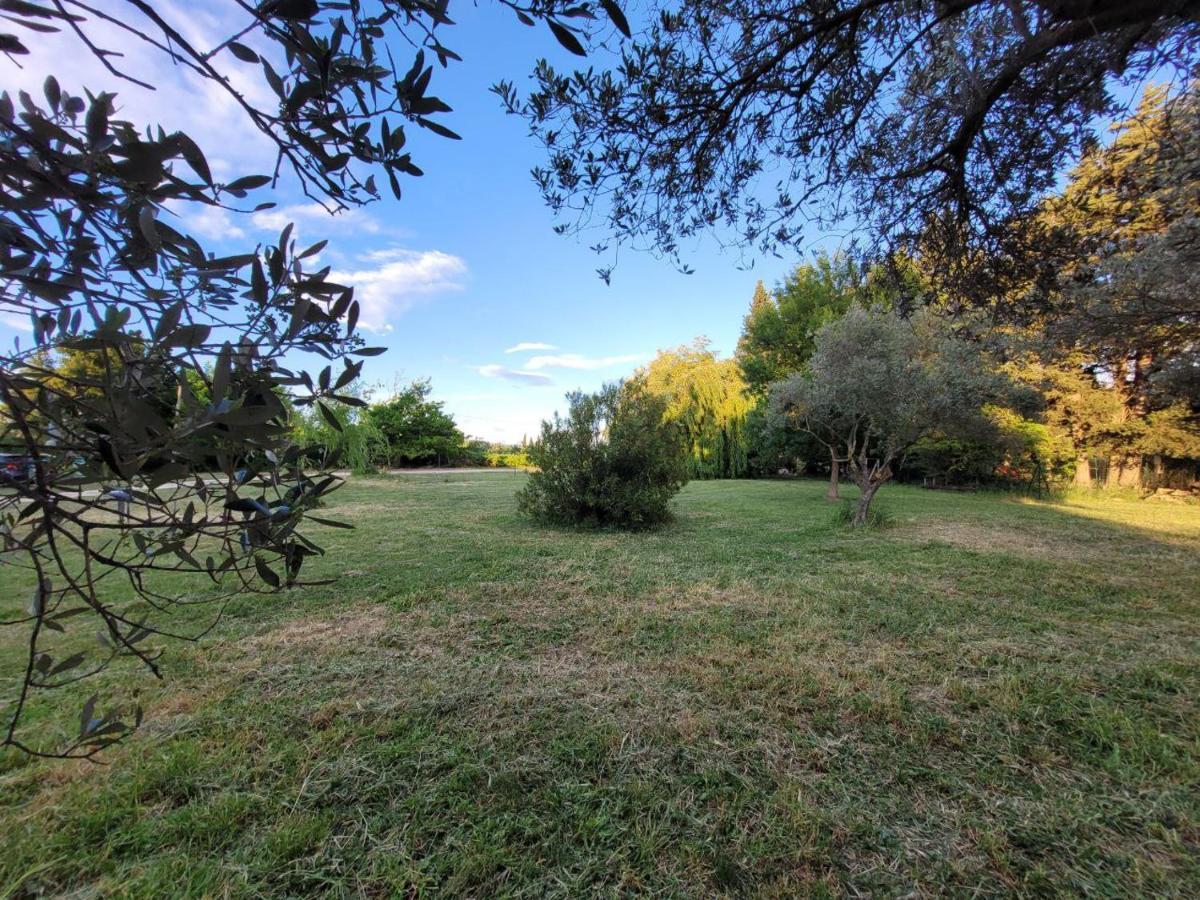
[{"x": 15, "y": 467}]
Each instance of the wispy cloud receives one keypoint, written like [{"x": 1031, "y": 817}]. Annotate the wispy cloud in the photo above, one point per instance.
[
  {"x": 578, "y": 361},
  {"x": 209, "y": 221},
  {"x": 16, "y": 322},
  {"x": 497, "y": 371},
  {"x": 384, "y": 254},
  {"x": 387, "y": 291},
  {"x": 526, "y": 346},
  {"x": 356, "y": 220}
]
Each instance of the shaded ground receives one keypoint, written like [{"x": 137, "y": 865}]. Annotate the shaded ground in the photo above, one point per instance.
[
  {"x": 989, "y": 697},
  {"x": 456, "y": 470}
]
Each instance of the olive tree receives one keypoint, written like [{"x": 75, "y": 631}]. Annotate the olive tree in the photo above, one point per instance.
[
  {"x": 935, "y": 124},
  {"x": 152, "y": 405},
  {"x": 877, "y": 383}
]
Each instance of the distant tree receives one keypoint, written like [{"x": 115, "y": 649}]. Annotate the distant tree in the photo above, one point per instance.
[
  {"x": 878, "y": 383},
  {"x": 706, "y": 397},
  {"x": 614, "y": 459},
  {"x": 762, "y": 306},
  {"x": 936, "y": 125},
  {"x": 343, "y": 433},
  {"x": 773, "y": 447},
  {"x": 1093, "y": 413},
  {"x": 416, "y": 431},
  {"x": 1129, "y": 222},
  {"x": 778, "y": 332},
  {"x": 1014, "y": 450},
  {"x": 1120, "y": 330}
]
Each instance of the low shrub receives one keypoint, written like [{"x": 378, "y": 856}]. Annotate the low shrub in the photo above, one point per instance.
[
  {"x": 877, "y": 517},
  {"x": 612, "y": 460}
]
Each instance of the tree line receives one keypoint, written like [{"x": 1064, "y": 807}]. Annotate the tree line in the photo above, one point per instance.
[{"x": 405, "y": 430}]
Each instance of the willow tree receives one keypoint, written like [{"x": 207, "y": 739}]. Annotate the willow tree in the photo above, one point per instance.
[{"x": 707, "y": 397}]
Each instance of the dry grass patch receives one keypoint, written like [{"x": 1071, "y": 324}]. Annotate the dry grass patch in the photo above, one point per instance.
[
  {"x": 345, "y": 632},
  {"x": 1002, "y": 538}
]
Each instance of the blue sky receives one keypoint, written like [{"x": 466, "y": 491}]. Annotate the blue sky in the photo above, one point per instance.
[{"x": 466, "y": 266}]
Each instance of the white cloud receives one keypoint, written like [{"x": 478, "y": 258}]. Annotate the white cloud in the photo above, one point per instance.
[
  {"x": 385, "y": 292},
  {"x": 577, "y": 361},
  {"x": 495, "y": 371},
  {"x": 16, "y": 322},
  {"x": 209, "y": 221},
  {"x": 526, "y": 346},
  {"x": 348, "y": 219},
  {"x": 387, "y": 254}
]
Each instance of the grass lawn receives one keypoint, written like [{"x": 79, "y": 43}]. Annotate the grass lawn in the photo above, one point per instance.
[{"x": 988, "y": 697}]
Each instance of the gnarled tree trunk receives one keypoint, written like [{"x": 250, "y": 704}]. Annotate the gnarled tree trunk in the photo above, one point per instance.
[
  {"x": 833, "y": 495},
  {"x": 865, "y": 496},
  {"x": 869, "y": 478}
]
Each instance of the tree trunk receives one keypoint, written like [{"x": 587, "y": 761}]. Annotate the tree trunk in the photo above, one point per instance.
[
  {"x": 1156, "y": 472},
  {"x": 833, "y": 495},
  {"x": 865, "y": 496},
  {"x": 1125, "y": 470},
  {"x": 1083, "y": 472}
]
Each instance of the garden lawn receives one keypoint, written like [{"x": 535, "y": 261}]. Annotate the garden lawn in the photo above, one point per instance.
[{"x": 989, "y": 696}]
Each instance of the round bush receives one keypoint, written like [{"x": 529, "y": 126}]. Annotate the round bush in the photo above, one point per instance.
[{"x": 612, "y": 460}]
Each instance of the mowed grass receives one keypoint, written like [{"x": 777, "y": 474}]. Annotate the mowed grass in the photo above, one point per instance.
[{"x": 988, "y": 697}]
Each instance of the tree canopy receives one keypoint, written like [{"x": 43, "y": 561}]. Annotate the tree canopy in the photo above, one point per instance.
[
  {"x": 1117, "y": 336},
  {"x": 154, "y": 402},
  {"x": 779, "y": 331},
  {"x": 935, "y": 125},
  {"x": 414, "y": 429},
  {"x": 706, "y": 397},
  {"x": 1129, "y": 225},
  {"x": 129, "y": 317},
  {"x": 338, "y": 88}
]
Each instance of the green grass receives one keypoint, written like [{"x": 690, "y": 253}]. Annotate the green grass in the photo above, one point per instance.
[{"x": 987, "y": 697}]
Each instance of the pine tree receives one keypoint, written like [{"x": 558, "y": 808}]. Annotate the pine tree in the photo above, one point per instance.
[{"x": 1124, "y": 317}]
